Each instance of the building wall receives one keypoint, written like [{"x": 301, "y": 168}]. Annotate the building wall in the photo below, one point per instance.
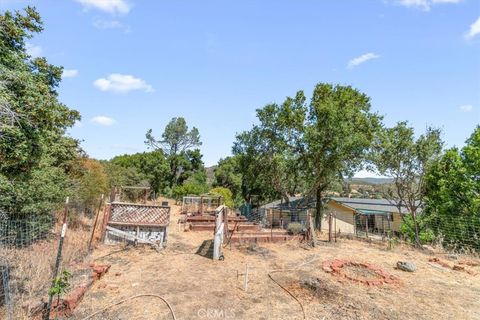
[
  {"x": 345, "y": 219},
  {"x": 397, "y": 221}
]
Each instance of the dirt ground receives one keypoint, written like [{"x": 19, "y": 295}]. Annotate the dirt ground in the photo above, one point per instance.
[{"x": 199, "y": 288}]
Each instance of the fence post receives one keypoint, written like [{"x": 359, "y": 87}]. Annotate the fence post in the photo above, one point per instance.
[
  {"x": 366, "y": 225},
  {"x": 329, "y": 227},
  {"x": 95, "y": 223},
  {"x": 335, "y": 225},
  {"x": 59, "y": 257},
  {"x": 245, "y": 283}
]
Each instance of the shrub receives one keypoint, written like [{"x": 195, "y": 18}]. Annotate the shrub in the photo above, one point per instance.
[
  {"x": 225, "y": 193},
  {"x": 407, "y": 228},
  {"x": 295, "y": 228}
]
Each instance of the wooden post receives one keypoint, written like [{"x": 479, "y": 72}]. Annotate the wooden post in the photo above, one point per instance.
[
  {"x": 95, "y": 223},
  {"x": 245, "y": 282},
  {"x": 218, "y": 237},
  {"x": 366, "y": 225},
  {"x": 335, "y": 225},
  {"x": 329, "y": 227},
  {"x": 225, "y": 220},
  {"x": 271, "y": 225}
]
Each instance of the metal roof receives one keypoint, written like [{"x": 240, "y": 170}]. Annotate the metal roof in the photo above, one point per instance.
[
  {"x": 294, "y": 202},
  {"x": 379, "y": 205}
]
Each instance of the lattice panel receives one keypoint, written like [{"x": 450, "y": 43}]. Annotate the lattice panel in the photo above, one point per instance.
[{"x": 137, "y": 214}]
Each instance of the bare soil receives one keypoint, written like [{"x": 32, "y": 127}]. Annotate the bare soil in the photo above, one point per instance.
[{"x": 199, "y": 288}]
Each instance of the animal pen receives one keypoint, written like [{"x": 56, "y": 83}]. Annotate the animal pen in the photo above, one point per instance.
[
  {"x": 136, "y": 223},
  {"x": 198, "y": 205}
]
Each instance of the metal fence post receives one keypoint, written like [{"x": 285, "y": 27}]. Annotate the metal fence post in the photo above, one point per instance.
[{"x": 59, "y": 257}]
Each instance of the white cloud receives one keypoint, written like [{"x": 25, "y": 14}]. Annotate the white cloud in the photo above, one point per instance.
[
  {"x": 33, "y": 50},
  {"x": 107, "y": 24},
  {"x": 69, "y": 73},
  {"x": 425, "y": 4},
  {"x": 111, "y": 24},
  {"x": 103, "y": 121},
  {"x": 466, "y": 108},
  {"x": 361, "y": 59},
  {"x": 122, "y": 83},
  {"x": 109, "y": 6},
  {"x": 474, "y": 30}
]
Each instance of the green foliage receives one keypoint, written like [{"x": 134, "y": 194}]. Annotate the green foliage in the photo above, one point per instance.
[
  {"x": 90, "y": 185},
  {"x": 35, "y": 154},
  {"x": 228, "y": 175},
  {"x": 397, "y": 154},
  {"x": 425, "y": 234},
  {"x": 453, "y": 195},
  {"x": 225, "y": 193},
  {"x": 269, "y": 154},
  {"x": 305, "y": 148},
  {"x": 148, "y": 166},
  {"x": 60, "y": 284},
  {"x": 37, "y": 192},
  {"x": 188, "y": 188},
  {"x": 178, "y": 143},
  {"x": 295, "y": 228}
]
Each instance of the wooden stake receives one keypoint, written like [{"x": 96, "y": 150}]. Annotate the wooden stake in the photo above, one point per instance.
[
  {"x": 95, "y": 223},
  {"x": 329, "y": 227},
  {"x": 245, "y": 283}
]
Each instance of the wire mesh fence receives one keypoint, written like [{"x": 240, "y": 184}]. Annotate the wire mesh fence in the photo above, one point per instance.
[
  {"x": 6, "y": 294},
  {"x": 24, "y": 232}
]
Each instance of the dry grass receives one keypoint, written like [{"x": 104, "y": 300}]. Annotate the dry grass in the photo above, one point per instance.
[
  {"x": 32, "y": 267},
  {"x": 199, "y": 288}
]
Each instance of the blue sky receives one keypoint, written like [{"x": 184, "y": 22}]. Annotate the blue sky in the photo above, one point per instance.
[{"x": 133, "y": 65}]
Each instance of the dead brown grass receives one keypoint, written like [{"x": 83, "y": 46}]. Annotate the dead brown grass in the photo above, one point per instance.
[{"x": 32, "y": 267}]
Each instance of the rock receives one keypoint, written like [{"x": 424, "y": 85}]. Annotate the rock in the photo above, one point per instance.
[
  {"x": 406, "y": 266},
  {"x": 452, "y": 257},
  {"x": 429, "y": 249}
]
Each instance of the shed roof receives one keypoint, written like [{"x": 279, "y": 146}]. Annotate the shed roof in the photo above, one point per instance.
[
  {"x": 294, "y": 203},
  {"x": 361, "y": 205},
  {"x": 370, "y": 205}
]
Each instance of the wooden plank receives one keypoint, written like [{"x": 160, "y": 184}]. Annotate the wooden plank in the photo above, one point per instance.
[{"x": 131, "y": 237}]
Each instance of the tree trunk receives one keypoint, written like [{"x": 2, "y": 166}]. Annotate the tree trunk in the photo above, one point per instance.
[
  {"x": 319, "y": 209},
  {"x": 417, "y": 236}
]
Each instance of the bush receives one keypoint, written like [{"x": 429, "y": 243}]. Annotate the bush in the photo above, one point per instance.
[
  {"x": 225, "y": 193},
  {"x": 295, "y": 228},
  {"x": 407, "y": 228}
]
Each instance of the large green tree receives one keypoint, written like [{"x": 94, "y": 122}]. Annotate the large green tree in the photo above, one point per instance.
[
  {"x": 339, "y": 131},
  {"x": 180, "y": 146},
  {"x": 33, "y": 146},
  {"x": 270, "y": 153},
  {"x": 301, "y": 147},
  {"x": 405, "y": 159},
  {"x": 227, "y": 174},
  {"x": 152, "y": 166},
  {"x": 453, "y": 195}
]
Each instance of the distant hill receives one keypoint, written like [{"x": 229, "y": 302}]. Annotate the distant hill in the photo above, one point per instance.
[
  {"x": 210, "y": 173},
  {"x": 371, "y": 180}
]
